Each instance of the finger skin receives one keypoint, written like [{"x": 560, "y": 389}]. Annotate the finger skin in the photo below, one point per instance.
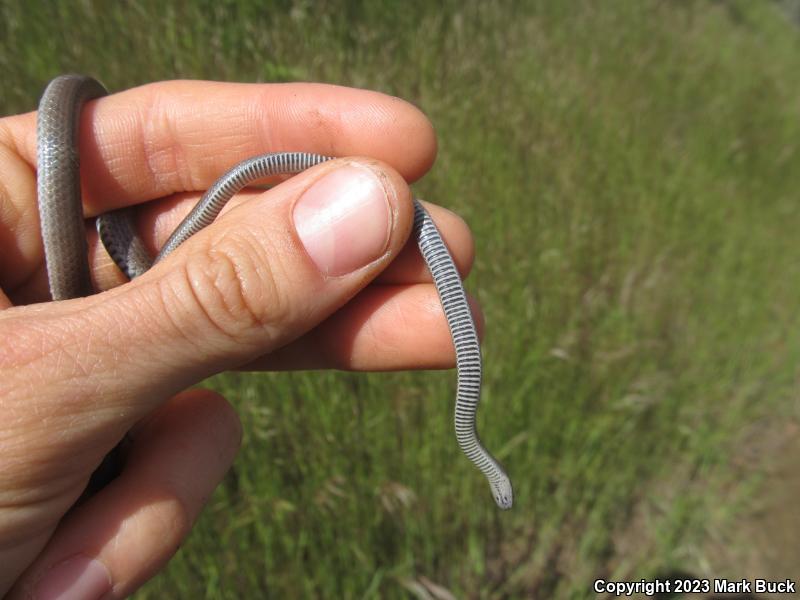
[
  {"x": 20, "y": 241},
  {"x": 389, "y": 328},
  {"x": 176, "y": 136},
  {"x": 409, "y": 266},
  {"x": 133, "y": 527}
]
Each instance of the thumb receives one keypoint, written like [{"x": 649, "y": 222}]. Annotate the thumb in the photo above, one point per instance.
[
  {"x": 272, "y": 269},
  {"x": 265, "y": 273}
]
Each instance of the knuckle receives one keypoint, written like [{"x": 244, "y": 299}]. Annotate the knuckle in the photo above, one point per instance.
[
  {"x": 233, "y": 282},
  {"x": 162, "y": 156}
]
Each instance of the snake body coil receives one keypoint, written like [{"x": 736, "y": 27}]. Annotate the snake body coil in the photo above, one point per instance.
[{"x": 68, "y": 268}]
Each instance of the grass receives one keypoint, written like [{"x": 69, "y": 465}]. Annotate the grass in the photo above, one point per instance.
[{"x": 629, "y": 172}]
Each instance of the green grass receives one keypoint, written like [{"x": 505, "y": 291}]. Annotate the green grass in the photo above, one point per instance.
[{"x": 629, "y": 172}]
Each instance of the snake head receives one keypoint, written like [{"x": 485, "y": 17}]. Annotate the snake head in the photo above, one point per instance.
[{"x": 503, "y": 493}]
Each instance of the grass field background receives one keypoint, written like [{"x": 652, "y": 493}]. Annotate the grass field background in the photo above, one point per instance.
[{"x": 629, "y": 170}]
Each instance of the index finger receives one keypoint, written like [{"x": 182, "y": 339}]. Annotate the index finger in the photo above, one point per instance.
[{"x": 178, "y": 136}]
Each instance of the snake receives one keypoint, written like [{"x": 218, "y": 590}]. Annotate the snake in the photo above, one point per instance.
[{"x": 66, "y": 249}]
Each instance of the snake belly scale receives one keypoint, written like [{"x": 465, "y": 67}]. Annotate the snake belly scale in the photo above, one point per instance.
[{"x": 66, "y": 255}]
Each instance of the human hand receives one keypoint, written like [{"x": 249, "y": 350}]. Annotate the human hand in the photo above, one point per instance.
[{"x": 268, "y": 286}]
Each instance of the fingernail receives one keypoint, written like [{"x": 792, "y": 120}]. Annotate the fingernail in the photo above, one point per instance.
[
  {"x": 77, "y": 578},
  {"x": 344, "y": 220}
]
